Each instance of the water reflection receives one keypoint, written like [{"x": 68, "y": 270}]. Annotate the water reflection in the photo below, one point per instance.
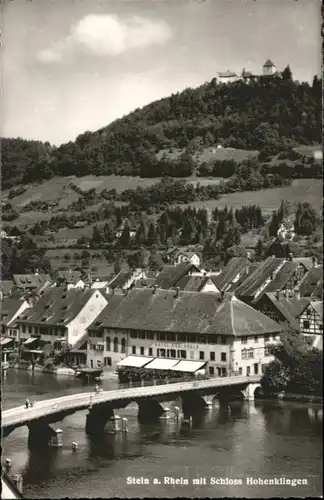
[
  {"x": 263, "y": 438},
  {"x": 41, "y": 465},
  {"x": 286, "y": 420}
]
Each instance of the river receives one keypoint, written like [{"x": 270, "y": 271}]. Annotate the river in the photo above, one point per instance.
[{"x": 222, "y": 450}]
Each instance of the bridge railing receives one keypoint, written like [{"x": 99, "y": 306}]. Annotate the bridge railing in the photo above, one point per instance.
[{"x": 83, "y": 400}]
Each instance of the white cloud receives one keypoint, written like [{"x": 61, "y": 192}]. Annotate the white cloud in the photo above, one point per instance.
[{"x": 107, "y": 35}]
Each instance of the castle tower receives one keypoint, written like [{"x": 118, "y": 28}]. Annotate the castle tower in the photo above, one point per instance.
[{"x": 268, "y": 68}]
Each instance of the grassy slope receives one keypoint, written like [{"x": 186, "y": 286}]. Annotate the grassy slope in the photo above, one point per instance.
[
  {"x": 270, "y": 199},
  {"x": 210, "y": 154}
]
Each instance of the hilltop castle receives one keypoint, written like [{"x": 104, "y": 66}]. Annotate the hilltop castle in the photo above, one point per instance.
[{"x": 268, "y": 70}]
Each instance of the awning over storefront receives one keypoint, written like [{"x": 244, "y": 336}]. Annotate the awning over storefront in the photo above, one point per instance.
[
  {"x": 30, "y": 341},
  {"x": 134, "y": 362},
  {"x": 7, "y": 342},
  {"x": 162, "y": 364},
  {"x": 189, "y": 366}
]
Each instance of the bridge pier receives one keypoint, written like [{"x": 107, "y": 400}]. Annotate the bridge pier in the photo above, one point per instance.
[
  {"x": 97, "y": 418},
  {"x": 42, "y": 435},
  {"x": 193, "y": 403},
  {"x": 149, "y": 410},
  {"x": 250, "y": 391},
  {"x": 208, "y": 401}
]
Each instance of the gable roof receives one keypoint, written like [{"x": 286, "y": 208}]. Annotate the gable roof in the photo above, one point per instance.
[
  {"x": 170, "y": 275},
  {"x": 282, "y": 277},
  {"x": 57, "y": 306},
  {"x": 9, "y": 308},
  {"x": 306, "y": 261},
  {"x": 318, "y": 291},
  {"x": 30, "y": 281},
  {"x": 70, "y": 276},
  {"x": 268, "y": 64},
  {"x": 230, "y": 271},
  {"x": 256, "y": 279},
  {"x": 120, "y": 280},
  {"x": 318, "y": 306},
  {"x": 183, "y": 312},
  {"x": 310, "y": 280},
  {"x": 192, "y": 283},
  {"x": 289, "y": 308},
  {"x": 145, "y": 283}
]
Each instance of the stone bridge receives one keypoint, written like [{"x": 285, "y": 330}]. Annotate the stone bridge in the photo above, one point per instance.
[{"x": 195, "y": 395}]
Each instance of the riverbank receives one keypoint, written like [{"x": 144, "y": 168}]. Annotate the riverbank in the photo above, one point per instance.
[
  {"x": 59, "y": 371},
  {"x": 69, "y": 372},
  {"x": 303, "y": 398}
]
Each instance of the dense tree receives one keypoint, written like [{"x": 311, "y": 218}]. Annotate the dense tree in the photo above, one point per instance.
[
  {"x": 259, "y": 250},
  {"x": 297, "y": 368},
  {"x": 306, "y": 220},
  {"x": 141, "y": 234},
  {"x": 267, "y": 115},
  {"x": 155, "y": 261},
  {"x": 125, "y": 238},
  {"x": 97, "y": 237}
]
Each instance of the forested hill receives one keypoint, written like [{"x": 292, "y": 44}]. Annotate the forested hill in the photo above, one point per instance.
[{"x": 269, "y": 115}]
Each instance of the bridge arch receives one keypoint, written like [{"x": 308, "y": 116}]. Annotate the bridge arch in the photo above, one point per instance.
[{"x": 251, "y": 392}]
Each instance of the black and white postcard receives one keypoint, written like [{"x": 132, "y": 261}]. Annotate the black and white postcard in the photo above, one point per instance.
[{"x": 162, "y": 249}]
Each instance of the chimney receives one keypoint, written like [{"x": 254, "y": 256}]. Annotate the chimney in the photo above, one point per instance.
[
  {"x": 314, "y": 261},
  {"x": 155, "y": 287},
  {"x": 248, "y": 255},
  {"x": 287, "y": 294},
  {"x": 290, "y": 256},
  {"x": 297, "y": 294},
  {"x": 278, "y": 294},
  {"x": 177, "y": 291},
  {"x": 222, "y": 295}
]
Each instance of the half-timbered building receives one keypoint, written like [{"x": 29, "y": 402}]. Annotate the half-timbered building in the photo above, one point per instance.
[{"x": 311, "y": 323}]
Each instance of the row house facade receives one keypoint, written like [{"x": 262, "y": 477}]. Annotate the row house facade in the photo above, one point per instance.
[
  {"x": 179, "y": 325},
  {"x": 10, "y": 310},
  {"x": 61, "y": 316}
]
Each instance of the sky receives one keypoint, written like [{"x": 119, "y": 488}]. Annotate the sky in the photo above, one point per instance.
[{"x": 69, "y": 66}]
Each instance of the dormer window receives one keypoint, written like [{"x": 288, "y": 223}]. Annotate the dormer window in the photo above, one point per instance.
[
  {"x": 64, "y": 297},
  {"x": 64, "y": 308},
  {"x": 43, "y": 320},
  {"x": 47, "y": 306}
]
